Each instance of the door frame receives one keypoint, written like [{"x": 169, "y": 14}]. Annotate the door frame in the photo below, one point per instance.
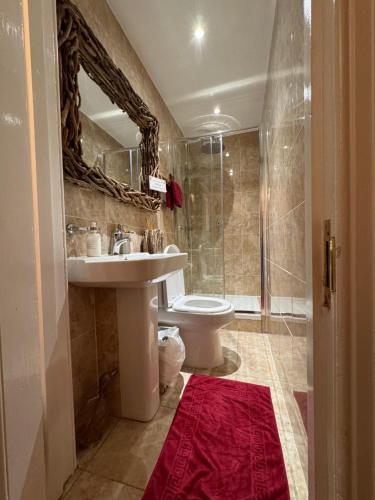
[{"x": 341, "y": 366}]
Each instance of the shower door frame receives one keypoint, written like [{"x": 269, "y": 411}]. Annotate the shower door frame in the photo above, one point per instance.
[
  {"x": 222, "y": 135},
  {"x": 219, "y": 221}
]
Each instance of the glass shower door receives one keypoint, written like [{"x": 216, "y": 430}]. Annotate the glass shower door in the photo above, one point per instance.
[{"x": 205, "y": 216}]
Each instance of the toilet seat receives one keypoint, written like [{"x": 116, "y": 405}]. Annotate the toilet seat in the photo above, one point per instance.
[
  {"x": 174, "y": 291},
  {"x": 200, "y": 305}
]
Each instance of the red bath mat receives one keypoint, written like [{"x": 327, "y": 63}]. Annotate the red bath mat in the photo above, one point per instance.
[{"x": 223, "y": 445}]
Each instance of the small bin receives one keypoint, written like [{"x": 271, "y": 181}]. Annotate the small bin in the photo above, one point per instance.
[{"x": 171, "y": 355}]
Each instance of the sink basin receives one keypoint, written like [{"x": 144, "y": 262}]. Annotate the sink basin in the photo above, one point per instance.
[
  {"x": 135, "y": 277},
  {"x": 134, "y": 270}
]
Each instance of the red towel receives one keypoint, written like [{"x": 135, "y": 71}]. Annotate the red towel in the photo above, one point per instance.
[
  {"x": 174, "y": 196},
  {"x": 169, "y": 197},
  {"x": 177, "y": 194}
]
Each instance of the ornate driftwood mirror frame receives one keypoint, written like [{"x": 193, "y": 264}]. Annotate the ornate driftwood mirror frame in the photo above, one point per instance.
[{"x": 78, "y": 46}]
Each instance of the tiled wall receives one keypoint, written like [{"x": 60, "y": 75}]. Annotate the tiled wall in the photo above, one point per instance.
[
  {"x": 282, "y": 150},
  {"x": 93, "y": 312},
  {"x": 225, "y": 257},
  {"x": 241, "y": 214}
]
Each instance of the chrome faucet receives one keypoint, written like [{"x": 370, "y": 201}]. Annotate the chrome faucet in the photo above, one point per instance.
[{"x": 121, "y": 238}]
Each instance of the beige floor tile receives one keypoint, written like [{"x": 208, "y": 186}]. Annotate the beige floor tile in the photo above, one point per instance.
[
  {"x": 231, "y": 365},
  {"x": 229, "y": 338},
  {"x": 71, "y": 481},
  {"x": 84, "y": 456},
  {"x": 255, "y": 365},
  {"x": 228, "y": 370},
  {"x": 130, "y": 452},
  {"x": 301, "y": 444},
  {"x": 172, "y": 395},
  {"x": 293, "y": 466},
  {"x": 298, "y": 374},
  {"x": 252, "y": 339},
  {"x": 294, "y": 413},
  {"x": 91, "y": 487},
  {"x": 300, "y": 387},
  {"x": 281, "y": 410}
]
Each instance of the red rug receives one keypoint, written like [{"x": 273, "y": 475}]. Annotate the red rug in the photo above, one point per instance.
[
  {"x": 223, "y": 444},
  {"x": 301, "y": 398}
]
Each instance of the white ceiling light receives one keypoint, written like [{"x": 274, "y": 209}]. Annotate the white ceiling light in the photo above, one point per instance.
[
  {"x": 199, "y": 33},
  {"x": 217, "y": 110},
  {"x": 227, "y": 154}
]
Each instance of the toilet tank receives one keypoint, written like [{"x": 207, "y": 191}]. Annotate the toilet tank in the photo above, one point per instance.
[{"x": 174, "y": 285}]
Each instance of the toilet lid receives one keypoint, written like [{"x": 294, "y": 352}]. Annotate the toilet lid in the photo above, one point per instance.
[
  {"x": 198, "y": 304},
  {"x": 175, "y": 283}
]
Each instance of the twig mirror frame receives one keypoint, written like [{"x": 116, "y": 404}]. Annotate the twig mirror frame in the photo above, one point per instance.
[{"x": 78, "y": 46}]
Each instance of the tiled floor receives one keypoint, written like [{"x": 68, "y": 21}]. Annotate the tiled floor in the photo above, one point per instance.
[{"x": 119, "y": 467}]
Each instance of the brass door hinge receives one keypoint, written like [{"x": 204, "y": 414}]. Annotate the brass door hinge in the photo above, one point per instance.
[{"x": 329, "y": 264}]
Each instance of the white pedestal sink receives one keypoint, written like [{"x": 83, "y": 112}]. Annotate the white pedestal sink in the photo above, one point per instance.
[{"x": 135, "y": 277}]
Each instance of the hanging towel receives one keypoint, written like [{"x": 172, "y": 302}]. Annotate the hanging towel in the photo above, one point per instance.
[
  {"x": 169, "y": 196},
  {"x": 177, "y": 194},
  {"x": 174, "y": 196}
]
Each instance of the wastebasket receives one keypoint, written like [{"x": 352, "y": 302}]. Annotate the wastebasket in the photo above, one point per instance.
[{"x": 171, "y": 355}]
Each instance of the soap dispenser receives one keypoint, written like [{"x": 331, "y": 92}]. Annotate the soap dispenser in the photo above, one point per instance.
[{"x": 94, "y": 242}]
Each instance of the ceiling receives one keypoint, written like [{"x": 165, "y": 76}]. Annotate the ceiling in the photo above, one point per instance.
[
  {"x": 97, "y": 106},
  {"x": 227, "y": 69}
]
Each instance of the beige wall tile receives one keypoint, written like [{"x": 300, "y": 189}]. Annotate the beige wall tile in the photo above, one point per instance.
[
  {"x": 106, "y": 329},
  {"x": 84, "y": 369},
  {"x": 81, "y": 310}
]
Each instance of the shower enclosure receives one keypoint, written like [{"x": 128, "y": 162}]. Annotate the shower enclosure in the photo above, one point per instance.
[
  {"x": 219, "y": 223},
  {"x": 220, "y": 178}
]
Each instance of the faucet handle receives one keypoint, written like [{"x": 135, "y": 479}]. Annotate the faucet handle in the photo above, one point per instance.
[{"x": 118, "y": 233}]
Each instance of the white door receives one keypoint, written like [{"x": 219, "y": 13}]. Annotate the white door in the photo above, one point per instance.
[{"x": 36, "y": 419}]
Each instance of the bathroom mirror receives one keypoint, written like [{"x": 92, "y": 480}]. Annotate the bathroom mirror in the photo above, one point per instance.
[
  {"x": 84, "y": 61},
  {"x": 109, "y": 138}
]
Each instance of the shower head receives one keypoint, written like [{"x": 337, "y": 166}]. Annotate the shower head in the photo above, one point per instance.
[{"x": 212, "y": 146}]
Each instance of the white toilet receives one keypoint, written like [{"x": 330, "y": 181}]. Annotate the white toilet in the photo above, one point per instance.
[{"x": 198, "y": 318}]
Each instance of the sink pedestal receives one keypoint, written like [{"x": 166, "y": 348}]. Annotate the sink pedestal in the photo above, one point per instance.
[
  {"x": 135, "y": 277},
  {"x": 137, "y": 320}
]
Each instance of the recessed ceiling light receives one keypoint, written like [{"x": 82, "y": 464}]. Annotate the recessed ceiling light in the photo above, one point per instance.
[
  {"x": 227, "y": 154},
  {"x": 217, "y": 110},
  {"x": 199, "y": 33}
]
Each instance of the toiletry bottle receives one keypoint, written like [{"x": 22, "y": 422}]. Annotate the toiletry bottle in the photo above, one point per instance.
[
  {"x": 151, "y": 241},
  {"x": 94, "y": 243},
  {"x": 144, "y": 246}
]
